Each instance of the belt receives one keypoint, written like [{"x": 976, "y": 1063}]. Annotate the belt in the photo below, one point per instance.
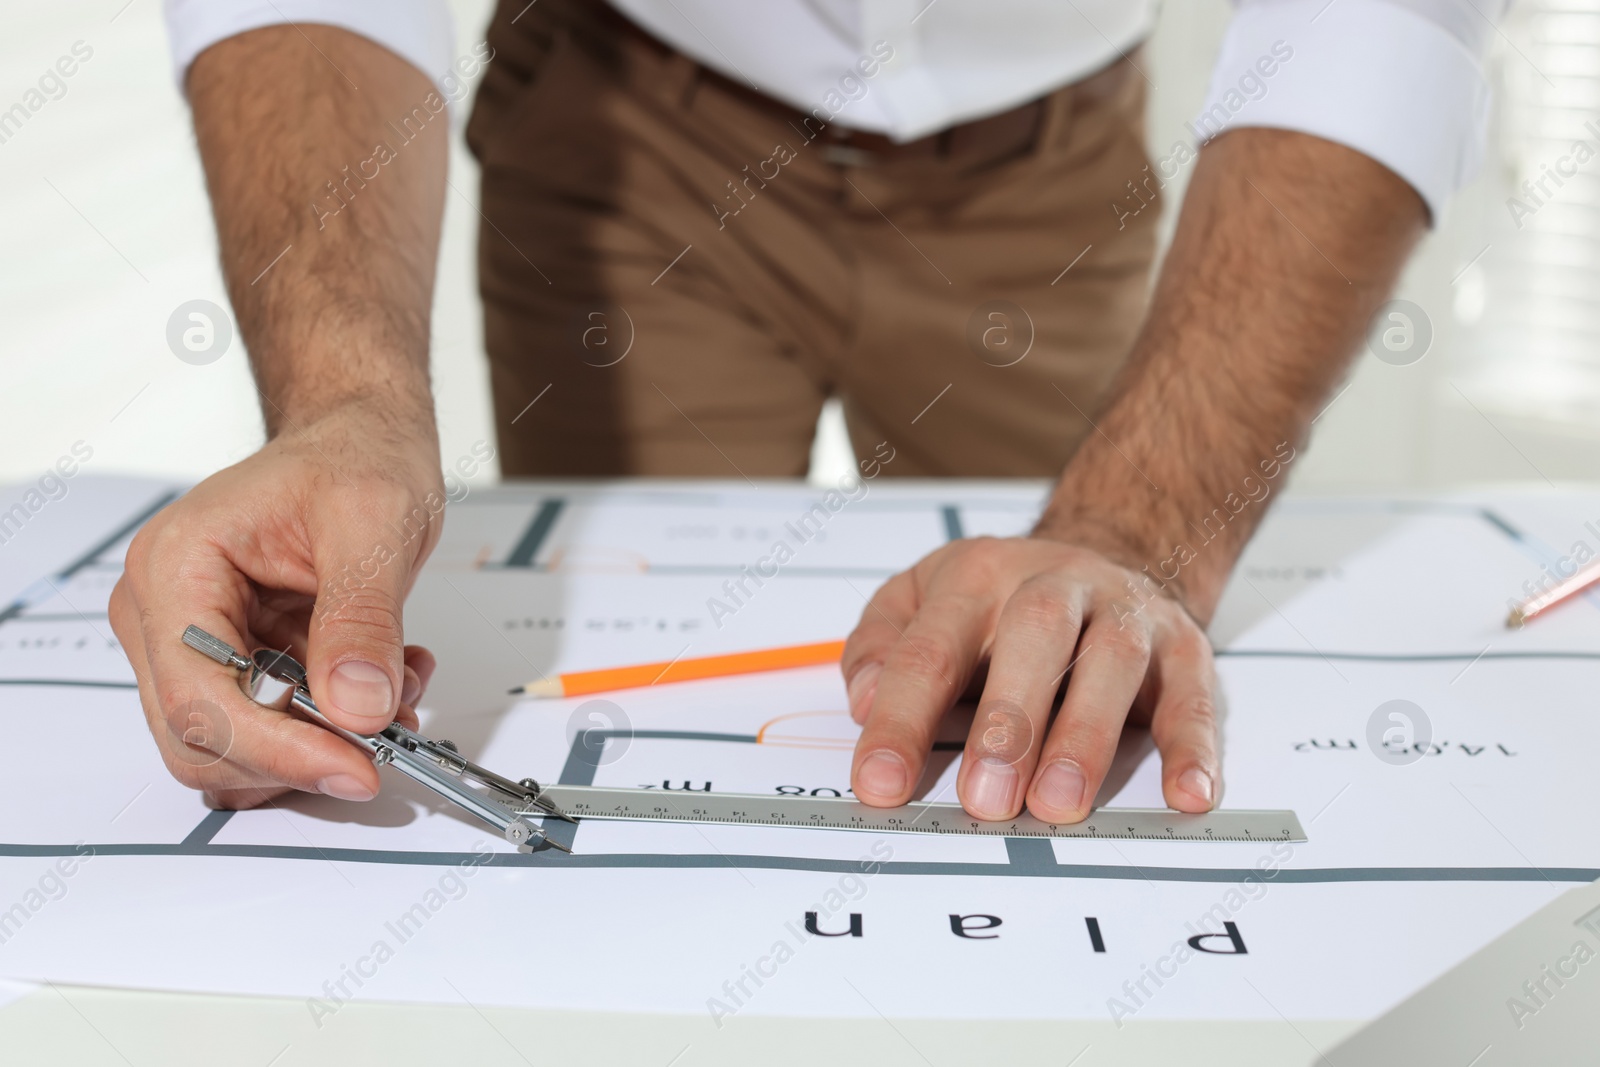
[
  {"x": 992, "y": 137},
  {"x": 1011, "y": 131}
]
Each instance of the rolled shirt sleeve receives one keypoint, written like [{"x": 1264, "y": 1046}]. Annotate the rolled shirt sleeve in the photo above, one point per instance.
[
  {"x": 419, "y": 31},
  {"x": 1400, "y": 81}
]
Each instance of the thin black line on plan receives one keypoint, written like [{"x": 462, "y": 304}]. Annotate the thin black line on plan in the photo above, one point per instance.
[
  {"x": 552, "y": 859},
  {"x": 1502, "y": 525},
  {"x": 584, "y": 757},
  {"x": 1223, "y": 653},
  {"x": 579, "y": 496},
  {"x": 18, "y": 605},
  {"x": 1419, "y": 657},
  {"x": 801, "y": 572},
  {"x": 500, "y": 496},
  {"x": 538, "y": 529},
  {"x": 122, "y": 531},
  {"x": 689, "y": 569}
]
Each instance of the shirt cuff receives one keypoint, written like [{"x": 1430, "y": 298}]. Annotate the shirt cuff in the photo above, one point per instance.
[
  {"x": 419, "y": 31},
  {"x": 1367, "y": 74}
]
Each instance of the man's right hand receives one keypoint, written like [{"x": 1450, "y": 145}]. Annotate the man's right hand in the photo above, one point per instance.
[{"x": 309, "y": 546}]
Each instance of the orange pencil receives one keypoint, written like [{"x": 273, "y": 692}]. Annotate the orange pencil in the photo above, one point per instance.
[{"x": 579, "y": 683}]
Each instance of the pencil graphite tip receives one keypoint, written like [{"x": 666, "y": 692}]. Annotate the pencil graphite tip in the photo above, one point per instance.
[{"x": 1515, "y": 620}]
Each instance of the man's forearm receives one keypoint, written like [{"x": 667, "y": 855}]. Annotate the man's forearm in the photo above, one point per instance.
[
  {"x": 1286, "y": 245},
  {"x": 325, "y": 158}
]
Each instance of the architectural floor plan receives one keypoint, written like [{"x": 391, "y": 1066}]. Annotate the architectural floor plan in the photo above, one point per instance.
[{"x": 1438, "y": 762}]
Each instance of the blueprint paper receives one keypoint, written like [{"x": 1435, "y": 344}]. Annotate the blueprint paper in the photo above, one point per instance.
[{"x": 1430, "y": 833}]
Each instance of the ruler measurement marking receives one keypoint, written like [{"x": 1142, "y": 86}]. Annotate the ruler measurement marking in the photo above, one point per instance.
[{"x": 831, "y": 813}]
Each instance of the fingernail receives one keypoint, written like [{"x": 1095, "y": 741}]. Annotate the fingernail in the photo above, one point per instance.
[
  {"x": 1061, "y": 787},
  {"x": 882, "y": 774},
  {"x": 344, "y": 787},
  {"x": 410, "y": 688},
  {"x": 1196, "y": 783},
  {"x": 862, "y": 685},
  {"x": 362, "y": 690},
  {"x": 990, "y": 788}
]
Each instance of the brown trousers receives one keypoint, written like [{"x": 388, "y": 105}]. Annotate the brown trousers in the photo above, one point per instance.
[{"x": 677, "y": 270}]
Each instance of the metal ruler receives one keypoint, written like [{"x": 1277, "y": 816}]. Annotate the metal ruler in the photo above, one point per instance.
[{"x": 830, "y": 813}]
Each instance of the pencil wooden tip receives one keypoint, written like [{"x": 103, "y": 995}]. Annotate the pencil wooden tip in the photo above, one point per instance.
[
  {"x": 1515, "y": 620},
  {"x": 543, "y": 689}
]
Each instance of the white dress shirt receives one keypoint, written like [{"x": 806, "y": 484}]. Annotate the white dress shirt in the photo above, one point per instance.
[{"x": 1399, "y": 80}]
